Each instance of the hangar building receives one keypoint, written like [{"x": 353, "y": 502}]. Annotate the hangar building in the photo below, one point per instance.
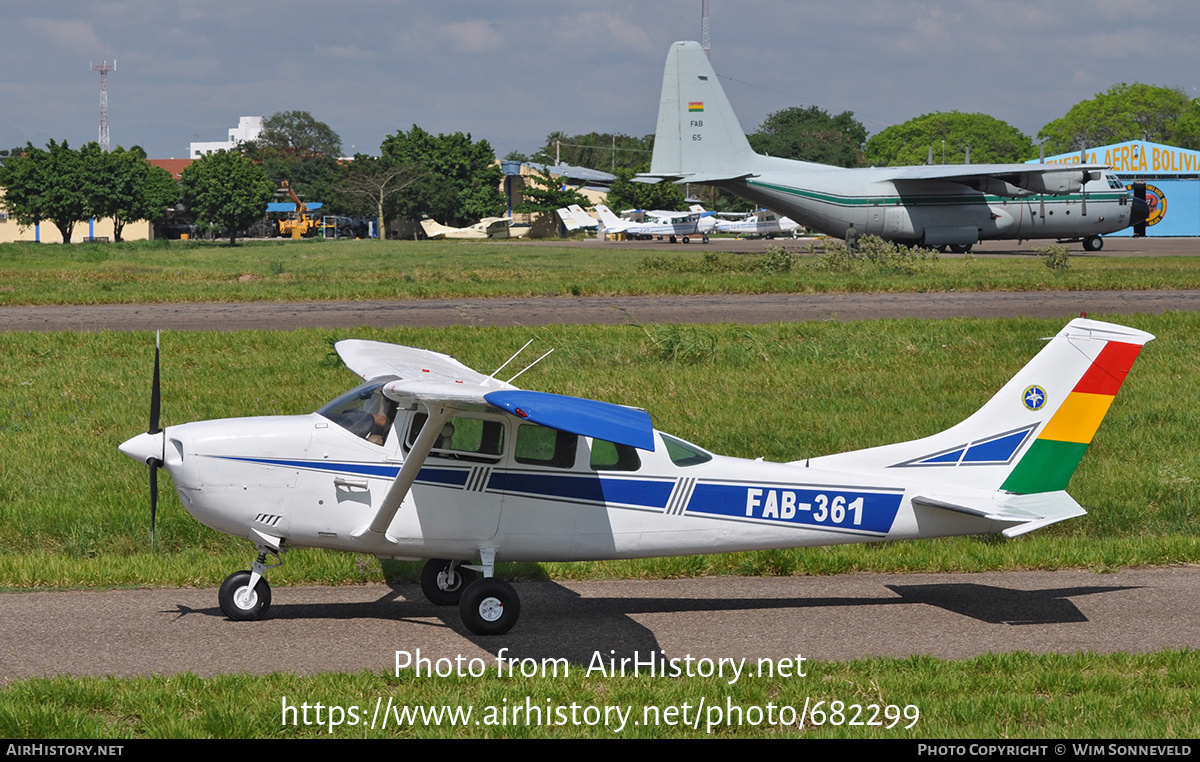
[{"x": 1171, "y": 175}]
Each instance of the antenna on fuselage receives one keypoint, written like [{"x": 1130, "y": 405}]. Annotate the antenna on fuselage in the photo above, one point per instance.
[
  {"x": 506, "y": 362},
  {"x": 530, "y": 365}
]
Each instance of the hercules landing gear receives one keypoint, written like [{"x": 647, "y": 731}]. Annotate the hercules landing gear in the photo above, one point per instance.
[
  {"x": 245, "y": 595},
  {"x": 1093, "y": 243},
  {"x": 443, "y": 582}
]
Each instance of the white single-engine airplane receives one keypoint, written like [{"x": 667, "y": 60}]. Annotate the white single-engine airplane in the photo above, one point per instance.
[
  {"x": 488, "y": 227},
  {"x": 673, "y": 226},
  {"x": 763, "y": 223},
  {"x": 429, "y": 459},
  {"x": 699, "y": 140}
]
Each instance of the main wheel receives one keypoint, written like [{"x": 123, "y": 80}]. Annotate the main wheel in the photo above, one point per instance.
[
  {"x": 489, "y": 606},
  {"x": 1093, "y": 243},
  {"x": 443, "y": 582},
  {"x": 239, "y": 602},
  {"x": 685, "y": 239}
]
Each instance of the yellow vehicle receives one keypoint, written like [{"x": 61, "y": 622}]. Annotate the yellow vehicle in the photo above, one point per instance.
[{"x": 299, "y": 224}]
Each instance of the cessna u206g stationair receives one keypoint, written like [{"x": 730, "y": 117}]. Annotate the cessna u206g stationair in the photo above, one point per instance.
[
  {"x": 429, "y": 459},
  {"x": 699, "y": 140}
]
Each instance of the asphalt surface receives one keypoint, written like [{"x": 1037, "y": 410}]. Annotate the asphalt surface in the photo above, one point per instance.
[{"x": 342, "y": 629}]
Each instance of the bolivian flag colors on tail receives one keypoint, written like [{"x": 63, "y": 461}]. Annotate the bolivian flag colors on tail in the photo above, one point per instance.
[
  {"x": 695, "y": 106},
  {"x": 1054, "y": 455}
]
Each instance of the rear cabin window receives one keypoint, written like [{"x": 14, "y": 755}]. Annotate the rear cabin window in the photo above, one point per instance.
[
  {"x": 610, "y": 456},
  {"x": 541, "y": 446},
  {"x": 684, "y": 454},
  {"x": 463, "y": 438}
]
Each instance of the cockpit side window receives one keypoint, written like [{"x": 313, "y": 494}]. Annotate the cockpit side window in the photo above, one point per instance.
[
  {"x": 363, "y": 411},
  {"x": 542, "y": 446},
  {"x": 463, "y": 438},
  {"x": 610, "y": 456}
]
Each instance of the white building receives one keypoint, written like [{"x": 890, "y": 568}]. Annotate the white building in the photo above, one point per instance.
[{"x": 249, "y": 128}]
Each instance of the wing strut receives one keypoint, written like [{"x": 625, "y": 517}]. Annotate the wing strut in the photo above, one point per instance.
[{"x": 438, "y": 415}]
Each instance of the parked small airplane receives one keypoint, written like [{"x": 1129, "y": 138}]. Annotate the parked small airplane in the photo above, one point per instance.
[
  {"x": 699, "y": 140},
  {"x": 681, "y": 226},
  {"x": 763, "y": 223},
  {"x": 430, "y": 459},
  {"x": 574, "y": 218},
  {"x": 488, "y": 227}
]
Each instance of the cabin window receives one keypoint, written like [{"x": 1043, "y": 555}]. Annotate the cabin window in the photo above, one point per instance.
[
  {"x": 463, "y": 438},
  {"x": 363, "y": 411},
  {"x": 684, "y": 454},
  {"x": 542, "y": 446},
  {"x": 610, "y": 456}
]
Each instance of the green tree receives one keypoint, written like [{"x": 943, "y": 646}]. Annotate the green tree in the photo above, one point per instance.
[
  {"x": 370, "y": 183},
  {"x": 811, "y": 134},
  {"x": 294, "y": 146},
  {"x": 1126, "y": 112},
  {"x": 625, "y": 193},
  {"x": 42, "y": 185},
  {"x": 545, "y": 192},
  {"x": 226, "y": 190},
  {"x": 298, "y": 133},
  {"x": 122, "y": 185},
  {"x": 991, "y": 140},
  {"x": 462, "y": 184}
]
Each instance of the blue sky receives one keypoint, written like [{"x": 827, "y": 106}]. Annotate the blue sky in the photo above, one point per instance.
[{"x": 512, "y": 72}]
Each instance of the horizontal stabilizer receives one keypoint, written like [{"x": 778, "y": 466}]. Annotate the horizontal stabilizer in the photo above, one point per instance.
[
  {"x": 698, "y": 177},
  {"x": 1025, "y": 512},
  {"x": 588, "y": 418}
]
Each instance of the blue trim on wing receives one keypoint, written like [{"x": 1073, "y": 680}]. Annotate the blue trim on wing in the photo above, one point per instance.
[{"x": 588, "y": 418}]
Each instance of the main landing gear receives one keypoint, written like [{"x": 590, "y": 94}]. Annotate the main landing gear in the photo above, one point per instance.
[
  {"x": 488, "y": 606},
  {"x": 1093, "y": 243}
]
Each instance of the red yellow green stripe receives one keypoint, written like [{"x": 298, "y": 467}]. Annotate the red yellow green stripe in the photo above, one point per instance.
[
  {"x": 695, "y": 105},
  {"x": 1055, "y": 454}
]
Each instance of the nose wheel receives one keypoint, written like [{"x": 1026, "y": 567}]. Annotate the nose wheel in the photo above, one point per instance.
[
  {"x": 243, "y": 600},
  {"x": 245, "y": 595}
]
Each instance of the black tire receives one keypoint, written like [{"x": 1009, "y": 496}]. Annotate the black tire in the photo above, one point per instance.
[
  {"x": 1093, "y": 243},
  {"x": 245, "y": 610},
  {"x": 434, "y": 584},
  {"x": 489, "y": 607},
  {"x": 685, "y": 239}
]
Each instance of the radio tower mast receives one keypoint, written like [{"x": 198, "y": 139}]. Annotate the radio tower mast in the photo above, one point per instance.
[
  {"x": 104, "y": 69},
  {"x": 704, "y": 29}
]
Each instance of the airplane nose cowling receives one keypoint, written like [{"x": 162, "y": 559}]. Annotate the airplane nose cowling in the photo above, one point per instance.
[{"x": 145, "y": 447}]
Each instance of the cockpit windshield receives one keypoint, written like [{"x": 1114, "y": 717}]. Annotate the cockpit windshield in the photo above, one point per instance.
[{"x": 363, "y": 411}]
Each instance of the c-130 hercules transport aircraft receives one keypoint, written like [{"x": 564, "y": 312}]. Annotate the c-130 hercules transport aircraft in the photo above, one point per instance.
[
  {"x": 699, "y": 140},
  {"x": 429, "y": 459}
]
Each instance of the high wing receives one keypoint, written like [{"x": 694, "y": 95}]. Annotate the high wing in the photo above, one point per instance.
[
  {"x": 494, "y": 225},
  {"x": 1006, "y": 179},
  {"x": 444, "y": 386}
]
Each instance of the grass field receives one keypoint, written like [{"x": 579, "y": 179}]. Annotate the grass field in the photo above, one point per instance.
[
  {"x": 171, "y": 271},
  {"x": 74, "y": 512}
]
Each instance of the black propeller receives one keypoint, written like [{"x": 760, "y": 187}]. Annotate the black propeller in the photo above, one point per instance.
[
  {"x": 154, "y": 463},
  {"x": 1139, "y": 209}
]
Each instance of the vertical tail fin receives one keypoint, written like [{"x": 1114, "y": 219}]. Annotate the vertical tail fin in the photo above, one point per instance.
[
  {"x": 697, "y": 129},
  {"x": 1031, "y": 435}
]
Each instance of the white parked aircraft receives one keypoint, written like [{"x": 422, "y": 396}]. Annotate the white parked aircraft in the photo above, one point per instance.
[
  {"x": 763, "y": 223},
  {"x": 699, "y": 140},
  {"x": 681, "y": 226},
  {"x": 430, "y": 459},
  {"x": 488, "y": 227},
  {"x": 574, "y": 218}
]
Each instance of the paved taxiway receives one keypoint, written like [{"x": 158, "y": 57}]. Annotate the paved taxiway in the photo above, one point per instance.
[{"x": 359, "y": 627}]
